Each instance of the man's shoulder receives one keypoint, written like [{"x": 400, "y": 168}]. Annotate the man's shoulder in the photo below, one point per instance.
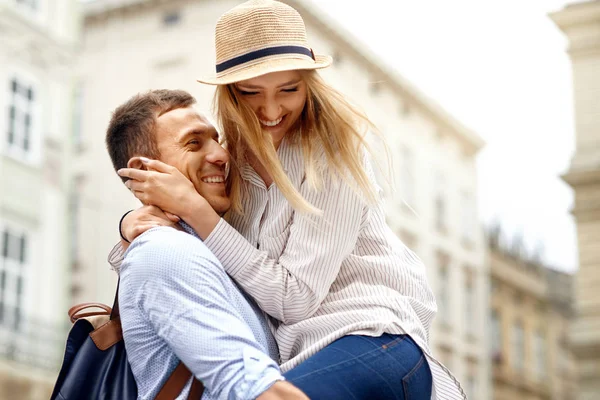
[
  {"x": 162, "y": 248},
  {"x": 164, "y": 237}
]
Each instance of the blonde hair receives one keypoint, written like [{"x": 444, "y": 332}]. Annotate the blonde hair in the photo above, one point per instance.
[{"x": 328, "y": 121}]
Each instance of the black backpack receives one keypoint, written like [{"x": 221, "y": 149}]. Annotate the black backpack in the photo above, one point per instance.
[{"x": 95, "y": 365}]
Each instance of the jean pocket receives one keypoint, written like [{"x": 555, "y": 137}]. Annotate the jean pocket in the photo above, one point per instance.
[{"x": 417, "y": 383}]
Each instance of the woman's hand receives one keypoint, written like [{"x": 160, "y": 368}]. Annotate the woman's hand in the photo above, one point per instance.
[
  {"x": 161, "y": 185},
  {"x": 147, "y": 217}
]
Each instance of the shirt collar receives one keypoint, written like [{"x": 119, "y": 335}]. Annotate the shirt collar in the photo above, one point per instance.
[
  {"x": 292, "y": 160},
  {"x": 188, "y": 229}
]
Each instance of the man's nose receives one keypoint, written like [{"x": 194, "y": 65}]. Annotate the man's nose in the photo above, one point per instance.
[
  {"x": 271, "y": 109},
  {"x": 217, "y": 154}
]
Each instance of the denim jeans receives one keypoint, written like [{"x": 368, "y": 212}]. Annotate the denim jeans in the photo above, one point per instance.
[{"x": 362, "y": 367}]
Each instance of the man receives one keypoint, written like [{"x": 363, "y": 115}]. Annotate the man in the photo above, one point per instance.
[{"x": 193, "y": 312}]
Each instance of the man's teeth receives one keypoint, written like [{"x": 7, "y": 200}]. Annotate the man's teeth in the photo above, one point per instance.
[
  {"x": 214, "y": 179},
  {"x": 271, "y": 123}
]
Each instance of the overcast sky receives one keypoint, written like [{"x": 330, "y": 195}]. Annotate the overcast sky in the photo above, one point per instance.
[{"x": 500, "y": 67}]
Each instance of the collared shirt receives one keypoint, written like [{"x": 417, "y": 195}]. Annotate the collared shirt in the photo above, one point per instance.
[{"x": 177, "y": 303}]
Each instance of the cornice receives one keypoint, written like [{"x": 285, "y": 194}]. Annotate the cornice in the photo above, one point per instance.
[
  {"x": 577, "y": 14},
  {"x": 577, "y": 178},
  {"x": 24, "y": 39},
  {"x": 104, "y": 9},
  {"x": 580, "y": 23}
]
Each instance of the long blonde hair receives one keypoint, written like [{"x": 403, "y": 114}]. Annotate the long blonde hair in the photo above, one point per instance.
[{"x": 328, "y": 121}]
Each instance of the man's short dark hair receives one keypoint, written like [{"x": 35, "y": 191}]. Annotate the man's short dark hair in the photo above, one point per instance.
[{"x": 131, "y": 129}]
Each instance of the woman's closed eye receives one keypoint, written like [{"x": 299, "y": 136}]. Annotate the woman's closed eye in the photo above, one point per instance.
[
  {"x": 290, "y": 90},
  {"x": 247, "y": 93}
]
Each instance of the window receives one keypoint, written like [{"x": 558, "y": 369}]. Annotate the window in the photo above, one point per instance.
[
  {"x": 77, "y": 133},
  {"x": 470, "y": 305},
  {"x": 469, "y": 219},
  {"x": 12, "y": 285},
  {"x": 440, "y": 202},
  {"x": 409, "y": 240},
  {"x": 407, "y": 177},
  {"x": 31, "y": 4},
  {"x": 405, "y": 109},
  {"x": 494, "y": 286},
  {"x": 375, "y": 87},
  {"x": 562, "y": 355},
  {"x": 443, "y": 295},
  {"x": 446, "y": 357},
  {"x": 74, "y": 219},
  {"x": 20, "y": 129},
  {"x": 471, "y": 386},
  {"x": 518, "y": 346},
  {"x": 496, "y": 336},
  {"x": 518, "y": 298},
  {"x": 171, "y": 18},
  {"x": 539, "y": 349}
]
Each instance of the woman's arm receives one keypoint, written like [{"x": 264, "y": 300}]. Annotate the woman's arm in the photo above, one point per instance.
[
  {"x": 289, "y": 288},
  {"x": 292, "y": 287}
]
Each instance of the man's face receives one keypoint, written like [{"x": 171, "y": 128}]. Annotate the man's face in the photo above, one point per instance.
[{"x": 188, "y": 142}]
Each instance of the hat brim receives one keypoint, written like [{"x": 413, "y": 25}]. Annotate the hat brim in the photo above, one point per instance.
[{"x": 266, "y": 66}]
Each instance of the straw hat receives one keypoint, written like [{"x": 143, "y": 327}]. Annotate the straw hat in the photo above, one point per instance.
[{"x": 259, "y": 37}]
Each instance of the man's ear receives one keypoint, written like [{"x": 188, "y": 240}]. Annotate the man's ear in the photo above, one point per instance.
[{"x": 136, "y": 162}]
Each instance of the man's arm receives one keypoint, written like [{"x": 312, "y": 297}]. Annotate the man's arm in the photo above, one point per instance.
[{"x": 188, "y": 299}]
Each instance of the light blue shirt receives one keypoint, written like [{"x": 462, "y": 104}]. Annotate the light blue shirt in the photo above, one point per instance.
[{"x": 177, "y": 303}]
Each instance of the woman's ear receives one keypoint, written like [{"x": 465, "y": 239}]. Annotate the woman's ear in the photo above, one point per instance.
[{"x": 136, "y": 162}]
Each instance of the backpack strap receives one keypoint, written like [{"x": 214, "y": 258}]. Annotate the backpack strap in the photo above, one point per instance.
[
  {"x": 176, "y": 382},
  {"x": 76, "y": 313}
]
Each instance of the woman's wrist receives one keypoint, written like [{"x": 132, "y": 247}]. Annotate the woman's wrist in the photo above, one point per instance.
[
  {"x": 201, "y": 217},
  {"x": 121, "y": 226}
]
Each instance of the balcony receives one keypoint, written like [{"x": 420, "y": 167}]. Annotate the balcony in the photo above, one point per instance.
[{"x": 32, "y": 343}]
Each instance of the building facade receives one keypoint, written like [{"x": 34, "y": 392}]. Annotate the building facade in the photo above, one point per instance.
[
  {"x": 581, "y": 24},
  {"x": 133, "y": 46},
  {"x": 36, "y": 62},
  {"x": 530, "y": 318}
]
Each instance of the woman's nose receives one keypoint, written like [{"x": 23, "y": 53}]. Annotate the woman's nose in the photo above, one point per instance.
[{"x": 271, "y": 110}]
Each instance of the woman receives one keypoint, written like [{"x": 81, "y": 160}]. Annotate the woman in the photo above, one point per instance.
[{"x": 307, "y": 236}]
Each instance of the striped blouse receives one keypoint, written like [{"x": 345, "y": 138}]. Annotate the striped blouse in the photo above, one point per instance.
[{"x": 321, "y": 278}]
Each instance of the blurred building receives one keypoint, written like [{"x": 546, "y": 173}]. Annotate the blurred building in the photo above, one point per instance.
[
  {"x": 134, "y": 45},
  {"x": 530, "y": 318},
  {"x": 36, "y": 62},
  {"x": 581, "y": 24}
]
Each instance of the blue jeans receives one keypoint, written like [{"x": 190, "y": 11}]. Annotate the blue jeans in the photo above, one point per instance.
[{"x": 363, "y": 367}]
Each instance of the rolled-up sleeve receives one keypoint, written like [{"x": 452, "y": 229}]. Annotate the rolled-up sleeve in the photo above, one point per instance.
[{"x": 185, "y": 294}]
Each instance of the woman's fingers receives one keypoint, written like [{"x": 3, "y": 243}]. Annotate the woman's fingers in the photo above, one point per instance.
[
  {"x": 156, "y": 165},
  {"x": 172, "y": 217},
  {"x": 133, "y": 173},
  {"x": 135, "y": 186}
]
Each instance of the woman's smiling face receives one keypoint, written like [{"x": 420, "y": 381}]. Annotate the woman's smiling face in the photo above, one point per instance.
[{"x": 277, "y": 99}]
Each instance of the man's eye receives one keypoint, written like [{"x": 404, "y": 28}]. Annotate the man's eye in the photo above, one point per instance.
[{"x": 193, "y": 142}]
